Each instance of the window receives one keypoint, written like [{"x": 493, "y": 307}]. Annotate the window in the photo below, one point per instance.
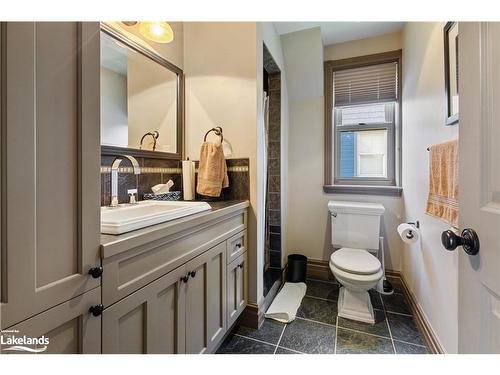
[{"x": 362, "y": 153}]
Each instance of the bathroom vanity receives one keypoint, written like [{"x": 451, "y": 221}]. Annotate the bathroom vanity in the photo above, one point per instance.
[{"x": 175, "y": 287}]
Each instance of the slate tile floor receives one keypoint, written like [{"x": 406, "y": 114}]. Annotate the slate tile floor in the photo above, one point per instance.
[{"x": 318, "y": 329}]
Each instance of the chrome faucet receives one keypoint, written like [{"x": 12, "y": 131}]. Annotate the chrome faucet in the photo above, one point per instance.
[{"x": 114, "y": 176}]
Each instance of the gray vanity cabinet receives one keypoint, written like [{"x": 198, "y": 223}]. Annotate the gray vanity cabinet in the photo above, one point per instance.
[
  {"x": 68, "y": 326},
  {"x": 51, "y": 179},
  {"x": 206, "y": 300},
  {"x": 237, "y": 276},
  {"x": 150, "y": 320},
  {"x": 181, "y": 312},
  {"x": 166, "y": 290}
]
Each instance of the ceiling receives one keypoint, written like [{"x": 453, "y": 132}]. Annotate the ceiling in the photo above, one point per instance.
[{"x": 338, "y": 32}]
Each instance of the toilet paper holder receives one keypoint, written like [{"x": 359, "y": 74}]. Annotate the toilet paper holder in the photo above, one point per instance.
[{"x": 416, "y": 224}]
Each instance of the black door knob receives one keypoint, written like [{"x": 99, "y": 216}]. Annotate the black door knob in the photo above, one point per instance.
[
  {"x": 469, "y": 240},
  {"x": 96, "y": 272},
  {"x": 96, "y": 310}
]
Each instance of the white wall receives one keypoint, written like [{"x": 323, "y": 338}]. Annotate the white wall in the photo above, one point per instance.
[
  {"x": 114, "y": 120},
  {"x": 152, "y": 104},
  {"x": 367, "y": 46},
  {"x": 430, "y": 270},
  {"x": 220, "y": 65},
  {"x": 308, "y": 219}
]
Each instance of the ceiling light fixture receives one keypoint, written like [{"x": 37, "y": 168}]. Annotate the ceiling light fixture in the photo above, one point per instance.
[{"x": 159, "y": 31}]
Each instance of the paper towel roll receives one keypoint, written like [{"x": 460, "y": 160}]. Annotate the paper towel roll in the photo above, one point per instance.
[
  {"x": 188, "y": 180},
  {"x": 408, "y": 233}
]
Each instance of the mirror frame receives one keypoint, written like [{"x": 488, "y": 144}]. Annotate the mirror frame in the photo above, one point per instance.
[{"x": 117, "y": 150}]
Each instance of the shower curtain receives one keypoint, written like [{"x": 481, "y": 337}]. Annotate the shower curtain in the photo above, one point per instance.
[{"x": 265, "y": 137}]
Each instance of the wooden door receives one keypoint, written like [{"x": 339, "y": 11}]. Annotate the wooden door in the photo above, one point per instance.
[
  {"x": 50, "y": 165},
  {"x": 479, "y": 276},
  {"x": 69, "y": 327},
  {"x": 236, "y": 288},
  {"x": 150, "y": 320},
  {"x": 206, "y": 300}
]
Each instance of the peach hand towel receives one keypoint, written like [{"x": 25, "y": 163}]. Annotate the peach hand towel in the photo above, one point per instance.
[
  {"x": 443, "y": 182},
  {"x": 212, "y": 171}
]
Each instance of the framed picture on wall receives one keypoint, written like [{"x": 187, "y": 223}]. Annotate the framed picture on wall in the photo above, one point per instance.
[{"x": 451, "y": 71}]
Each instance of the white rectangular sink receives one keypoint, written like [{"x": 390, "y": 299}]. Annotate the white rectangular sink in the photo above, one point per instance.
[{"x": 125, "y": 218}]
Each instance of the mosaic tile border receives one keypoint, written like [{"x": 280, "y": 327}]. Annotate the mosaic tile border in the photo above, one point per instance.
[{"x": 167, "y": 170}]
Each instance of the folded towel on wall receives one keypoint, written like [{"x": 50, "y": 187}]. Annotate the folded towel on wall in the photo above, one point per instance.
[
  {"x": 212, "y": 170},
  {"x": 443, "y": 182}
]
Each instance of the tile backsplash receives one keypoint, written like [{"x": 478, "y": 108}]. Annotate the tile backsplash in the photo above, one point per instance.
[{"x": 156, "y": 171}]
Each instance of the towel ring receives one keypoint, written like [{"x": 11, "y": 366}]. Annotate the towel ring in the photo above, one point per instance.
[{"x": 217, "y": 130}]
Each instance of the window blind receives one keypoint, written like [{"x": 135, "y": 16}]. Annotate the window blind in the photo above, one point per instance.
[{"x": 367, "y": 84}]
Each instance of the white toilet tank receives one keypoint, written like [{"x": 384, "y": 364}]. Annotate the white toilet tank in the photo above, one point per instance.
[{"x": 355, "y": 224}]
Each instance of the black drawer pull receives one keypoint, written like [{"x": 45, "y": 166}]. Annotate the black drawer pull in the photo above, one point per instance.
[
  {"x": 96, "y": 272},
  {"x": 96, "y": 310}
]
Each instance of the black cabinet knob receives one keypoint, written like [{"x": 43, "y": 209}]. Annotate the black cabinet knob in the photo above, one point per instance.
[
  {"x": 96, "y": 272},
  {"x": 238, "y": 245},
  {"x": 240, "y": 265},
  {"x": 469, "y": 240},
  {"x": 192, "y": 274},
  {"x": 185, "y": 279},
  {"x": 96, "y": 310}
]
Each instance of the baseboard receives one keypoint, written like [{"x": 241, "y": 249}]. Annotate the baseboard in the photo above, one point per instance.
[
  {"x": 319, "y": 269},
  {"x": 251, "y": 317},
  {"x": 422, "y": 322}
]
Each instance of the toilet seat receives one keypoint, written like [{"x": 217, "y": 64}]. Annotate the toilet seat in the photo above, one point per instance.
[{"x": 355, "y": 261}]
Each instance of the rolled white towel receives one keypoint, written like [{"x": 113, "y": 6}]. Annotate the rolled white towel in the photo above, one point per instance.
[{"x": 162, "y": 188}]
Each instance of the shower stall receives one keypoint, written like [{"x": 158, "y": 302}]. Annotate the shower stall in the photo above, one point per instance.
[{"x": 273, "y": 268}]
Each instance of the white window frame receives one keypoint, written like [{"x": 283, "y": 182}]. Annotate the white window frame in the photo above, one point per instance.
[{"x": 389, "y": 164}]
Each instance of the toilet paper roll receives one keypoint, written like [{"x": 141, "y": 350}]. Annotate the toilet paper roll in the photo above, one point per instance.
[
  {"x": 188, "y": 180},
  {"x": 408, "y": 233}
]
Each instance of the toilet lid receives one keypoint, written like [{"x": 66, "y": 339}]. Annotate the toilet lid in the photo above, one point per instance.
[{"x": 355, "y": 261}]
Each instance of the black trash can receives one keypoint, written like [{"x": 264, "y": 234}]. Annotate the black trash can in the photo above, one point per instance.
[{"x": 297, "y": 268}]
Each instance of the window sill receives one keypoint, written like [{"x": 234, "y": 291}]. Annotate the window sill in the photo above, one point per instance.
[{"x": 393, "y": 191}]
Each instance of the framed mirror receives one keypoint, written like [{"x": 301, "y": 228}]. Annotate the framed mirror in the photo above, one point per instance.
[
  {"x": 451, "y": 71},
  {"x": 141, "y": 100}
]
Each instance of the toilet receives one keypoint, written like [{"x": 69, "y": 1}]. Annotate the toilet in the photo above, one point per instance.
[{"x": 355, "y": 235}]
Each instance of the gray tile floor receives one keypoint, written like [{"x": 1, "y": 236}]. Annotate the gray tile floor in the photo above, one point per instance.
[{"x": 318, "y": 329}]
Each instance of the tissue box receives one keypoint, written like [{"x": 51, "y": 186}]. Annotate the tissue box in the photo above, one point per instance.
[{"x": 170, "y": 196}]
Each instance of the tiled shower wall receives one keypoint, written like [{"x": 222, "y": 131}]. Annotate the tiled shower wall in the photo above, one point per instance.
[
  {"x": 274, "y": 172},
  {"x": 159, "y": 171}
]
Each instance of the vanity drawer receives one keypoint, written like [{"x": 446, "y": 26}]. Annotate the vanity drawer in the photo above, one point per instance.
[{"x": 236, "y": 245}]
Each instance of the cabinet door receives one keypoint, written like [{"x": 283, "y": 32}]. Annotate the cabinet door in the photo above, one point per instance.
[
  {"x": 236, "y": 288},
  {"x": 50, "y": 174},
  {"x": 206, "y": 300},
  {"x": 70, "y": 328},
  {"x": 151, "y": 320}
]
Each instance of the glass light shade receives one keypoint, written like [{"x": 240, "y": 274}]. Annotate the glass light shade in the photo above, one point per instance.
[{"x": 159, "y": 32}]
